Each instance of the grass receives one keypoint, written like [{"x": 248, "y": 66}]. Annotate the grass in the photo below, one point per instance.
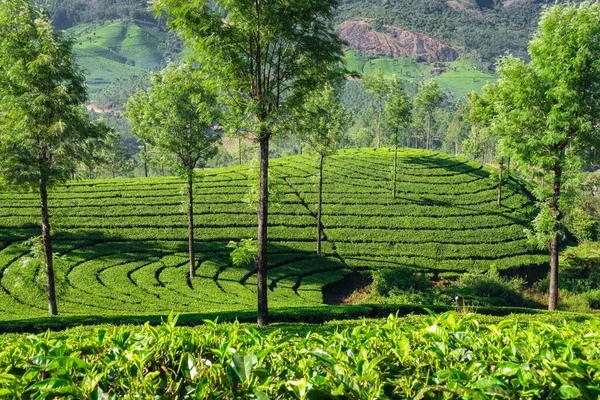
[
  {"x": 457, "y": 78},
  {"x": 124, "y": 251}
]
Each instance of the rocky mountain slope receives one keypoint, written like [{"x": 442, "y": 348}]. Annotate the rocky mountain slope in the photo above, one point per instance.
[{"x": 394, "y": 42}]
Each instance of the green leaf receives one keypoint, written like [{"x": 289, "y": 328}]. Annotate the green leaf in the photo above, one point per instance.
[
  {"x": 242, "y": 365},
  {"x": 188, "y": 366},
  {"x": 569, "y": 392},
  {"x": 260, "y": 395},
  {"x": 7, "y": 378},
  {"x": 50, "y": 384},
  {"x": 492, "y": 386},
  {"x": 67, "y": 363},
  {"x": 508, "y": 369}
]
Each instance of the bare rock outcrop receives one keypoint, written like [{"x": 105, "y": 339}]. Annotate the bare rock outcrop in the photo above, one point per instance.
[{"x": 395, "y": 42}]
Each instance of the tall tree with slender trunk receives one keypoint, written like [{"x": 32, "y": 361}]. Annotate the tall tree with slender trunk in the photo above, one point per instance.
[
  {"x": 500, "y": 180},
  {"x": 43, "y": 123},
  {"x": 549, "y": 111},
  {"x": 176, "y": 116},
  {"x": 378, "y": 86},
  {"x": 428, "y": 99},
  {"x": 321, "y": 122},
  {"x": 265, "y": 55},
  {"x": 397, "y": 117}
]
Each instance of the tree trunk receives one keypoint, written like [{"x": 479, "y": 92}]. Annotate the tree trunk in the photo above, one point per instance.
[
  {"x": 475, "y": 146},
  {"x": 555, "y": 243},
  {"x": 500, "y": 185},
  {"x": 456, "y": 147},
  {"x": 428, "y": 142},
  {"x": 320, "y": 207},
  {"x": 190, "y": 214},
  {"x": 145, "y": 161},
  {"x": 379, "y": 129},
  {"x": 394, "y": 172},
  {"x": 240, "y": 148},
  {"x": 263, "y": 213},
  {"x": 47, "y": 244}
]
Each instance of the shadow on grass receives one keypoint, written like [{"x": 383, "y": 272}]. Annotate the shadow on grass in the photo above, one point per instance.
[
  {"x": 99, "y": 300},
  {"x": 292, "y": 315}
]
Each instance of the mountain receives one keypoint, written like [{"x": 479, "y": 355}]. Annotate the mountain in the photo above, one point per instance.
[{"x": 456, "y": 41}]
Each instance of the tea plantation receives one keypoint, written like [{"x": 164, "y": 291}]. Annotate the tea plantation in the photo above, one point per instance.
[{"x": 123, "y": 250}]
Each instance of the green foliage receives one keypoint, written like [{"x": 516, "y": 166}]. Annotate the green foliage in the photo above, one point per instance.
[
  {"x": 429, "y": 98},
  {"x": 366, "y": 360},
  {"x": 244, "y": 252},
  {"x": 321, "y": 121},
  {"x": 537, "y": 101},
  {"x": 491, "y": 28},
  {"x": 397, "y": 113},
  {"x": 490, "y": 289},
  {"x": 118, "y": 57},
  {"x": 126, "y": 238},
  {"x": 265, "y": 58},
  {"x": 176, "y": 117},
  {"x": 43, "y": 126},
  {"x": 388, "y": 281},
  {"x": 33, "y": 282},
  {"x": 275, "y": 186}
]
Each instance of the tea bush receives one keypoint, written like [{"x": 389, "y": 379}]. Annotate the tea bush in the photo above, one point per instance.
[
  {"x": 123, "y": 242},
  {"x": 440, "y": 356}
]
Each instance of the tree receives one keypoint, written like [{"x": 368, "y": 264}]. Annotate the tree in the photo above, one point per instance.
[
  {"x": 428, "y": 99},
  {"x": 379, "y": 87},
  {"x": 265, "y": 55},
  {"x": 549, "y": 110},
  {"x": 458, "y": 127},
  {"x": 43, "y": 124},
  {"x": 175, "y": 116},
  {"x": 481, "y": 113},
  {"x": 117, "y": 160},
  {"x": 397, "y": 117},
  {"x": 321, "y": 122}
]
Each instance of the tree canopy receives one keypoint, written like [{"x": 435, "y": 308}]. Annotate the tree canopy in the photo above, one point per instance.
[
  {"x": 44, "y": 128},
  {"x": 265, "y": 56},
  {"x": 549, "y": 110}
]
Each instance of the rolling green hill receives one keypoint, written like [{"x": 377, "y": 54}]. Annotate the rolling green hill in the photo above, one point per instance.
[
  {"x": 117, "y": 49},
  {"x": 456, "y": 78},
  {"x": 123, "y": 242},
  {"x": 120, "y": 39}
]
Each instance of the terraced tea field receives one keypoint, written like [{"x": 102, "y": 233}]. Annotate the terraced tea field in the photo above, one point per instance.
[{"x": 123, "y": 242}]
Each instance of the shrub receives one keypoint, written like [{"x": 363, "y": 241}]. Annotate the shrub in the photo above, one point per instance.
[
  {"x": 404, "y": 286},
  {"x": 388, "y": 281},
  {"x": 490, "y": 289}
]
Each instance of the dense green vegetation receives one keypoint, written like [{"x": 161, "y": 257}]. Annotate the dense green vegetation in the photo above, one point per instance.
[
  {"x": 118, "y": 51},
  {"x": 487, "y": 26},
  {"x": 456, "y": 78},
  {"x": 439, "y": 356},
  {"x": 123, "y": 242}
]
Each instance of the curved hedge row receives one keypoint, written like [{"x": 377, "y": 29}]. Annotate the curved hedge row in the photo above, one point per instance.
[{"x": 123, "y": 242}]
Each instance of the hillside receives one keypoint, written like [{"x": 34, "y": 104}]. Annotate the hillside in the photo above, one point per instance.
[
  {"x": 489, "y": 27},
  {"x": 119, "y": 40},
  {"x": 123, "y": 242},
  {"x": 118, "y": 49}
]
